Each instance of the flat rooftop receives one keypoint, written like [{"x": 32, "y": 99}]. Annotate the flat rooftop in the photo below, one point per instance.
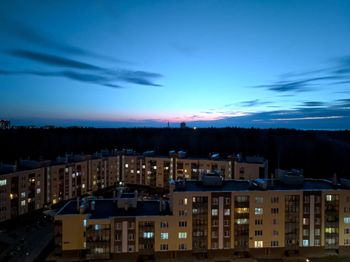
[
  {"x": 105, "y": 208},
  {"x": 243, "y": 185}
]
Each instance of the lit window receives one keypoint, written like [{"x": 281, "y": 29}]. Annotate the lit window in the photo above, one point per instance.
[
  {"x": 132, "y": 171},
  {"x": 242, "y": 210},
  {"x": 227, "y": 212},
  {"x": 305, "y": 242},
  {"x": 83, "y": 186},
  {"x": 3, "y": 182},
  {"x": 164, "y": 235},
  {"x": 185, "y": 201},
  {"x": 97, "y": 227},
  {"x": 331, "y": 198},
  {"x": 126, "y": 165},
  {"x": 38, "y": 190},
  {"x": 242, "y": 221},
  {"x": 258, "y": 244},
  {"x": 346, "y": 220},
  {"x": 84, "y": 222},
  {"x": 148, "y": 234},
  {"x": 259, "y": 211},
  {"x": 182, "y": 235},
  {"x": 214, "y": 212},
  {"x": 23, "y": 203},
  {"x": 305, "y": 221},
  {"x": 23, "y": 194}
]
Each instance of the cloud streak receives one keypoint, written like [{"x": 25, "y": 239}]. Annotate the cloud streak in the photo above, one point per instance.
[
  {"x": 337, "y": 74},
  {"x": 31, "y": 35},
  {"x": 81, "y": 71}
]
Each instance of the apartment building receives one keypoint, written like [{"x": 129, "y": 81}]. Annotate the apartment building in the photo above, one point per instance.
[
  {"x": 22, "y": 191},
  {"x": 212, "y": 216},
  {"x": 157, "y": 171},
  {"x": 77, "y": 175}
]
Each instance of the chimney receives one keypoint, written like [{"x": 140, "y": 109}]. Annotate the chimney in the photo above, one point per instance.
[{"x": 335, "y": 179}]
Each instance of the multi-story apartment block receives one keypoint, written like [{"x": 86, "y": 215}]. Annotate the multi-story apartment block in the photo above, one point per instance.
[
  {"x": 212, "y": 216},
  {"x": 21, "y": 191},
  {"x": 77, "y": 175},
  {"x": 157, "y": 171}
]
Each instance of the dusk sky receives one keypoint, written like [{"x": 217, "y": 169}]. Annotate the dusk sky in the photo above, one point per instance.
[{"x": 147, "y": 63}]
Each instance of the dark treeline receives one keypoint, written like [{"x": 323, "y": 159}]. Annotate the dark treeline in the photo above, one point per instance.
[{"x": 319, "y": 153}]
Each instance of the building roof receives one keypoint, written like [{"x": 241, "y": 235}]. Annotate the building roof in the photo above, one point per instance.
[
  {"x": 243, "y": 185},
  {"x": 105, "y": 208}
]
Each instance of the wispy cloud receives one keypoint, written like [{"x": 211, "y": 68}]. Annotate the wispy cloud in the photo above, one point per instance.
[
  {"x": 35, "y": 36},
  {"x": 306, "y": 118},
  {"x": 53, "y": 60},
  {"x": 313, "y": 104},
  {"x": 336, "y": 74},
  {"x": 311, "y": 115},
  {"x": 81, "y": 71},
  {"x": 252, "y": 103}
]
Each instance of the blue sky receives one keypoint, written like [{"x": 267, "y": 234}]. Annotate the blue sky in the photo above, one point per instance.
[{"x": 144, "y": 63}]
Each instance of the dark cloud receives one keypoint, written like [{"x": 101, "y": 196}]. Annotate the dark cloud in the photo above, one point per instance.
[
  {"x": 255, "y": 102},
  {"x": 96, "y": 74},
  {"x": 54, "y": 60},
  {"x": 332, "y": 116},
  {"x": 298, "y": 85},
  {"x": 313, "y": 104},
  {"x": 29, "y": 34},
  {"x": 73, "y": 75},
  {"x": 337, "y": 74},
  {"x": 343, "y": 102}
]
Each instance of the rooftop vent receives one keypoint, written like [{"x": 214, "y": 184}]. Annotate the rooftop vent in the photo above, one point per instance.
[
  {"x": 290, "y": 177},
  {"x": 215, "y": 156},
  {"x": 149, "y": 153},
  {"x": 212, "y": 179},
  {"x": 260, "y": 183},
  {"x": 181, "y": 154}
]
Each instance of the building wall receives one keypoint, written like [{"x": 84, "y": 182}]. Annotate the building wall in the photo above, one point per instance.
[
  {"x": 249, "y": 171},
  {"x": 72, "y": 232}
]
